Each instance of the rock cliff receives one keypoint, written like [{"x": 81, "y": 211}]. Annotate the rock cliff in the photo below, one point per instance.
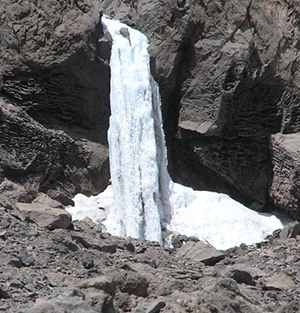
[
  {"x": 229, "y": 83},
  {"x": 54, "y": 105}
]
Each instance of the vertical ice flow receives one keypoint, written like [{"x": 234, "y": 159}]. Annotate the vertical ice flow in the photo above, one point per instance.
[{"x": 133, "y": 136}]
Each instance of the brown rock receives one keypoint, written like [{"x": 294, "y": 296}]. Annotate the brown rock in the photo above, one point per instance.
[
  {"x": 279, "y": 282},
  {"x": 200, "y": 252},
  {"x": 62, "y": 236},
  {"x": 44, "y": 216},
  {"x": 85, "y": 225},
  {"x": 132, "y": 283},
  {"x": 88, "y": 241},
  {"x": 292, "y": 307},
  {"x": 45, "y": 199},
  {"x": 241, "y": 274},
  {"x": 97, "y": 302},
  {"x": 150, "y": 306},
  {"x": 126, "y": 302},
  {"x": 105, "y": 283},
  {"x": 125, "y": 33},
  {"x": 10, "y": 260},
  {"x": 3, "y": 293},
  {"x": 291, "y": 230},
  {"x": 11, "y": 192}
]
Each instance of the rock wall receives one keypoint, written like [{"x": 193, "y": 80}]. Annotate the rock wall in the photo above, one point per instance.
[
  {"x": 54, "y": 96},
  {"x": 227, "y": 72},
  {"x": 229, "y": 80}
]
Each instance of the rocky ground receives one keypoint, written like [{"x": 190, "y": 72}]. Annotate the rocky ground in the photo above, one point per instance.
[{"x": 49, "y": 264}]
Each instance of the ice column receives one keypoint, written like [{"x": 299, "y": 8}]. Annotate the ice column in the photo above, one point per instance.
[{"x": 133, "y": 137}]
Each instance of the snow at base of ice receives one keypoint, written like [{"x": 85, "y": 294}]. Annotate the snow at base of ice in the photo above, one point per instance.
[
  {"x": 142, "y": 197},
  {"x": 212, "y": 217},
  {"x": 94, "y": 207},
  {"x": 221, "y": 221}
]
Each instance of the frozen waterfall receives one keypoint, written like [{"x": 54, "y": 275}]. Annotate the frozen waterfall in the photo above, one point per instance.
[
  {"x": 133, "y": 138},
  {"x": 142, "y": 197}
]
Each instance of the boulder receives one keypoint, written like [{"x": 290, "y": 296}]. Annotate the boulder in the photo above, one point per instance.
[
  {"x": 98, "y": 302},
  {"x": 241, "y": 274},
  {"x": 63, "y": 237},
  {"x": 291, "y": 230},
  {"x": 224, "y": 296},
  {"x": 125, "y": 282},
  {"x": 44, "y": 216},
  {"x": 25, "y": 257},
  {"x": 42, "y": 198},
  {"x": 87, "y": 260},
  {"x": 278, "y": 282},
  {"x": 131, "y": 283},
  {"x": 292, "y": 307},
  {"x": 10, "y": 260},
  {"x": 105, "y": 283},
  {"x": 3, "y": 293},
  {"x": 60, "y": 196},
  {"x": 10, "y": 193},
  {"x": 150, "y": 306},
  {"x": 88, "y": 241},
  {"x": 126, "y": 302},
  {"x": 227, "y": 285},
  {"x": 85, "y": 225},
  {"x": 200, "y": 252}
]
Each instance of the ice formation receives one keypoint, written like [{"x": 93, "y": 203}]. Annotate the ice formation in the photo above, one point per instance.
[{"x": 142, "y": 196}]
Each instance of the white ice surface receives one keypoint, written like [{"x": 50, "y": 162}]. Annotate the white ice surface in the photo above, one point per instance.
[
  {"x": 131, "y": 136},
  {"x": 94, "y": 207},
  {"x": 142, "y": 195},
  {"x": 212, "y": 217},
  {"x": 221, "y": 221}
]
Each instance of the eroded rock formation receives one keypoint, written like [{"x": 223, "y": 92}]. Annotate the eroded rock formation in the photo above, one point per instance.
[
  {"x": 229, "y": 80},
  {"x": 228, "y": 77},
  {"x": 54, "y": 104}
]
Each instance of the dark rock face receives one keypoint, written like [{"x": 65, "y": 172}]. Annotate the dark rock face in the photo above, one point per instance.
[
  {"x": 229, "y": 80},
  {"x": 54, "y": 97}
]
